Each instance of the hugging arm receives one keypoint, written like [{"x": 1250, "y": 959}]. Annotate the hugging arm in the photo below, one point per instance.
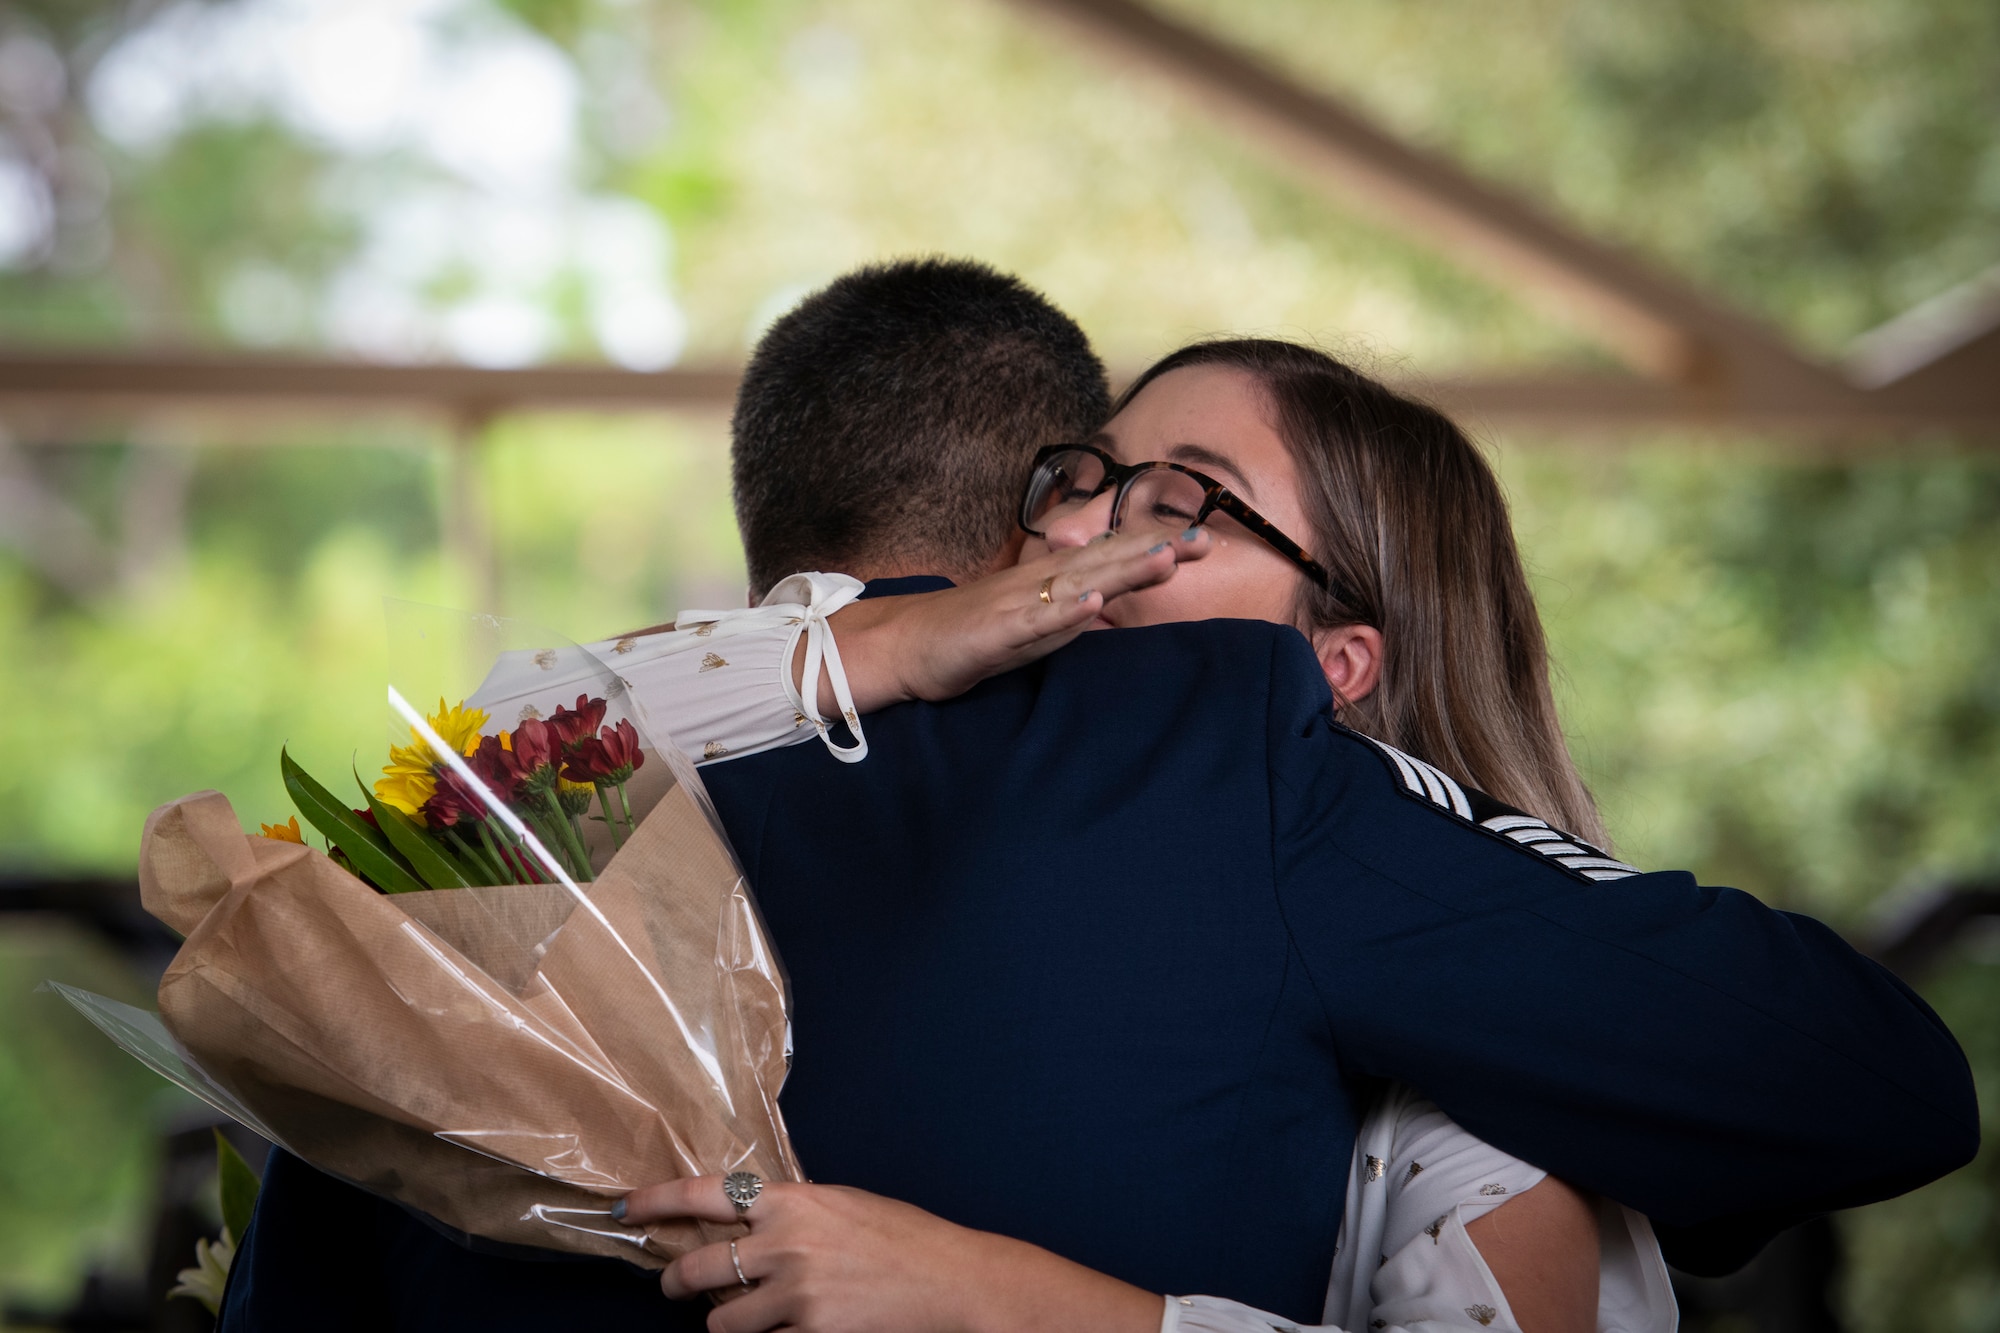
[
  {"x": 1727, "y": 1069},
  {"x": 823, "y": 1259},
  {"x": 1440, "y": 1228},
  {"x": 725, "y": 684}
]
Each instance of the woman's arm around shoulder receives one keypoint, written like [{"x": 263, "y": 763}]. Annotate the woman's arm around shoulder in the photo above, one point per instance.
[{"x": 726, "y": 684}]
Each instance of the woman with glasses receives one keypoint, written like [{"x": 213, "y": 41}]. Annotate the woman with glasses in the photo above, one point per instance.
[{"x": 1243, "y": 479}]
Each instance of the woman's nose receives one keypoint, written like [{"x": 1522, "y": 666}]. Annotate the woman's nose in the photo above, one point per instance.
[{"x": 1076, "y": 525}]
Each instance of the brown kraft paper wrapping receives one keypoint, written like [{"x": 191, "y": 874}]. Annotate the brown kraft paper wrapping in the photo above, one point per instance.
[{"x": 507, "y": 1060}]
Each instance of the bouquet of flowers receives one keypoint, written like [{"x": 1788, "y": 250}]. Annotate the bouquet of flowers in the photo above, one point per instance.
[
  {"x": 425, "y": 826},
  {"x": 524, "y": 978}
]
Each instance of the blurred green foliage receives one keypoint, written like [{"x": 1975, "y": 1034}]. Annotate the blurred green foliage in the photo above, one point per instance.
[
  {"x": 1777, "y": 672},
  {"x": 78, "y": 1117},
  {"x": 1827, "y": 163},
  {"x": 1926, "y": 1260},
  {"x": 1782, "y": 676}
]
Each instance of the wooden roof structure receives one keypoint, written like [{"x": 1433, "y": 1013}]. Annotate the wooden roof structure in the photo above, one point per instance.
[{"x": 1690, "y": 359}]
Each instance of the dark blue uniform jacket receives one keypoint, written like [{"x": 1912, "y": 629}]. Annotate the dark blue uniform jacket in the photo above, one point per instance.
[{"x": 1102, "y": 954}]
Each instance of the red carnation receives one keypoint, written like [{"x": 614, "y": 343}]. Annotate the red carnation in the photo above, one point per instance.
[
  {"x": 493, "y": 764},
  {"x": 534, "y": 749},
  {"x": 612, "y": 755},
  {"x": 453, "y": 802},
  {"x": 573, "y": 726},
  {"x": 621, "y": 749}
]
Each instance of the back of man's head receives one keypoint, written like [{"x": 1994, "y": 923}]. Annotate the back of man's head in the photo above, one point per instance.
[{"x": 886, "y": 424}]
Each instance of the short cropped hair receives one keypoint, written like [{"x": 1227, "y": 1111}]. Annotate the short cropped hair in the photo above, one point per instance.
[{"x": 892, "y": 418}]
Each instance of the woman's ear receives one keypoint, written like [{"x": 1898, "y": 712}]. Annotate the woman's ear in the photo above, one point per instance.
[{"x": 1351, "y": 657}]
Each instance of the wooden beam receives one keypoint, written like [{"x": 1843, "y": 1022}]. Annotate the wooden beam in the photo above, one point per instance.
[
  {"x": 124, "y": 380},
  {"x": 1941, "y": 356},
  {"x": 1562, "y": 403},
  {"x": 41, "y": 386},
  {"x": 1659, "y": 326}
]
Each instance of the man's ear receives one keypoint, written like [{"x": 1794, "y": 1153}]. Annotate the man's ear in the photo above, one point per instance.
[{"x": 1351, "y": 657}]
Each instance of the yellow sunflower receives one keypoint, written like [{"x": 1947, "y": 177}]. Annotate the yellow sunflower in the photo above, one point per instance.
[
  {"x": 285, "y": 832},
  {"x": 408, "y": 779},
  {"x": 458, "y": 726}
]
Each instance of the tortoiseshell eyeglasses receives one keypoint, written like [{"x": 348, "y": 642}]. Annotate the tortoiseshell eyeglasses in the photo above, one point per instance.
[{"x": 1166, "y": 495}]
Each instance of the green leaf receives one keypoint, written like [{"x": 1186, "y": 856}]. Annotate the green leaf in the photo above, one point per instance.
[
  {"x": 434, "y": 864},
  {"x": 365, "y": 847},
  {"x": 237, "y": 1184}
]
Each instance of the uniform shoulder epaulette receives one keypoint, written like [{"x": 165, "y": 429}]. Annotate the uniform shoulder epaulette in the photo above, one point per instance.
[{"x": 1427, "y": 783}]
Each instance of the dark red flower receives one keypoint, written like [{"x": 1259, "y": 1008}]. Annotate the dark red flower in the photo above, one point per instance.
[
  {"x": 573, "y": 726},
  {"x": 368, "y": 818},
  {"x": 621, "y": 747},
  {"x": 612, "y": 755},
  {"x": 453, "y": 802},
  {"x": 534, "y": 749},
  {"x": 586, "y": 762},
  {"x": 494, "y": 765}
]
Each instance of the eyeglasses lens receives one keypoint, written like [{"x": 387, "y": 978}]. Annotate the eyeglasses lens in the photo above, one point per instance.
[
  {"x": 1162, "y": 498},
  {"x": 1156, "y": 498},
  {"x": 1063, "y": 484}
]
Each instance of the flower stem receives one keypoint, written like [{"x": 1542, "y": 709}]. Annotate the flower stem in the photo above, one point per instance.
[
  {"x": 604, "y": 804},
  {"x": 483, "y": 863},
  {"x": 572, "y": 838},
  {"x": 625, "y": 804},
  {"x": 504, "y": 873},
  {"x": 552, "y": 827},
  {"x": 532, "y": 817},
  {"x": 509, "y": 854}
]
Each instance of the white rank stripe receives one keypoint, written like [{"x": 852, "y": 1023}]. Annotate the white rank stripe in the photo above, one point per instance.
[
  {"x": 1580, "y": 856},
  {"x": 1432, "y": 784},
  {"x": 1429, "y": 783}
]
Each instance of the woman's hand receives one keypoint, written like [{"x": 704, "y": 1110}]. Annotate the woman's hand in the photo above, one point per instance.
[
  {"x": 936, "y": 645},
  {"x": 824, "y": 1259}
]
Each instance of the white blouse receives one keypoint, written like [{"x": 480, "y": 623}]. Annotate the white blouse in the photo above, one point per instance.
[
  {"x": 1405, "y": 1263},
  {"x": 720, "y": 685}
]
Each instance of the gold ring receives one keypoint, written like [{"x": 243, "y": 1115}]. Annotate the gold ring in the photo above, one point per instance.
[{"x": 1048, "y": 583}]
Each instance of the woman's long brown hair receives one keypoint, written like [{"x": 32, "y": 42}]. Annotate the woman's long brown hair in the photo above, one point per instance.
[{"x": 1409, "y": 520}]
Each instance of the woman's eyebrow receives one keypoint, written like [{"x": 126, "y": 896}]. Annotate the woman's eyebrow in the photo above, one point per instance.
[{"x": 1202, "y": 456}]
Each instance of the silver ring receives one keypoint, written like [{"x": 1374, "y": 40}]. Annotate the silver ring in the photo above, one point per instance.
[
  {"x": 737, "y": 1264},
  {"x": 742, "y": 1188}
]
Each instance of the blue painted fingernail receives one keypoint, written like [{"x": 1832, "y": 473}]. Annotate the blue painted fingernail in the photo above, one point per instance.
[
  {"x": 1087, "y": 596},
  {"x": 1157, "y": 549},
  {"x": 618, "y": 1211},
  {"x": 1188, "y": 536}
]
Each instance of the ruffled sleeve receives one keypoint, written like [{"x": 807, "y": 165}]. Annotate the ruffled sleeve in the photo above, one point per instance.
[
  {"x": 720, "y": 682},
  {"x": 1405, "y": 1262}
]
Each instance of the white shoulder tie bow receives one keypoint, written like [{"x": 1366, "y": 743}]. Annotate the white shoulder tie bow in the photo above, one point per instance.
[{"x": 805, "y": 601}]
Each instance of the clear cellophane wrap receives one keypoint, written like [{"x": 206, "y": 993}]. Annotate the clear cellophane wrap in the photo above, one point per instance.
[{"x": 510, "y": 1060}]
